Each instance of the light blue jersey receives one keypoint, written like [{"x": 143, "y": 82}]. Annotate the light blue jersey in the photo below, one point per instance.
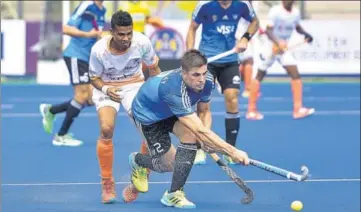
[
  {"x": 81, "y": 18},
  {"x": 166, "y": 95},
  {"x": 219, "y": 26}
]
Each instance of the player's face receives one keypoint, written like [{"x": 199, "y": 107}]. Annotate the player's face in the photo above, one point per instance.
[
  {"x": 287, "y": 3},
  {"x": 122, "y": 36},
  {"x": 196, "y": 78},
  {"x": 225, "y": 2},
  {"x": 99, "y": 2}
]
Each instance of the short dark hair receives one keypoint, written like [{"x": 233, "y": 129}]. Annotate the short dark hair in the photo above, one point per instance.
[
  {"x": 121, "y": 18},
  {"x": 193, "y": 59}
]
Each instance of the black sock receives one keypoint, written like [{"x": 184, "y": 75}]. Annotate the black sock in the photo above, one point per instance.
[
  {"x": 184, "y": 159},
  {"x": 144, "y": 161},
  {"x": 62, "y": 107},
  {"x": 232, "y": 127},
  {"x": 72, "y": 111}
]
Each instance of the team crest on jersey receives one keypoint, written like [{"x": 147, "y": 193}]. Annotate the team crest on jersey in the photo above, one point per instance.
[
  {"x": 214, "y": 18},
  {"x": 132, "y": 64},
  {"x": 168, "y": 43}
]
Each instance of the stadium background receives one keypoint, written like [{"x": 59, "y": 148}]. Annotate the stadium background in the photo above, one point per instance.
[
  {"x": 36, "y": 176},
  {"x": 31, "y": 40}
]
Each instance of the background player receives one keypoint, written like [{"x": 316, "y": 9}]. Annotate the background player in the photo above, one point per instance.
[
  {"x": 165, "y": 104},
  {"x": 116, "y": 73},
  {"x": 140, "y": 12},
  {"x": 245, "y": 59},
  {"x": 219, "y": 21},
  {"x": 284, "y": 19},
  {"x": 76, "y": 56}
]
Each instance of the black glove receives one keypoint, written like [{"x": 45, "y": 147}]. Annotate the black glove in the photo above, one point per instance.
[{"x": 308, "y": 37}]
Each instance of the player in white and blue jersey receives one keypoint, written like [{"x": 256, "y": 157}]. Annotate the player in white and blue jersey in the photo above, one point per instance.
[
  {"x": 84, "y": 27},
  {"x": 219, "y": 20},
  {"x": 169, "y": 103}
]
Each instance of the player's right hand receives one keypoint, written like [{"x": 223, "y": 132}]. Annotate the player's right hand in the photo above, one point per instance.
[
  {"x": 308, "y": 38},
  {"x": 94, "y": 33},
  {"x": 240, "y": 156},
  {"x": 241, "y": 45},
  {"x": 113, "y": 93}
]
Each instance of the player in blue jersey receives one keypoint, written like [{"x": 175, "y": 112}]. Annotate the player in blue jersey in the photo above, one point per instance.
[
  {"x": 219, "y": 20},
  {"x": 169, "y": 103},
  {"x": 84, "y": 27}
]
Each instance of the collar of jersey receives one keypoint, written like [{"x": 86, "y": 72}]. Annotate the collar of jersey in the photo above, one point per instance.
[{"x": 108, "y": 47}]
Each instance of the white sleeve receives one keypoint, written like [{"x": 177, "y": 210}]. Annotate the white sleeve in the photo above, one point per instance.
[
  {"x": 149, "y": 56},
  {"x": 95, "y": 65},
  {"x": 272, "y": 15},
  {"x": 297, "y": 16}
]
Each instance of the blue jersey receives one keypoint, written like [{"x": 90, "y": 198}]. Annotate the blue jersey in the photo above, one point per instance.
[
  {"x": 82, "y": 18},
  {"x": 166, "y": 95},
  {"x": 219, "y": 26}
]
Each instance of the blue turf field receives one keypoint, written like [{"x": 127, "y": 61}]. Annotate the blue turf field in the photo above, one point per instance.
[{"x": 39, "y": 177}]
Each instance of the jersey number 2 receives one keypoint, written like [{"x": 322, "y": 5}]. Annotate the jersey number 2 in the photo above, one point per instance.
[{"x": 158, "y": 147}]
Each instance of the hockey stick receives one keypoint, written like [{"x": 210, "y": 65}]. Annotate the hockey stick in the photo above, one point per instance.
[
  {"x": 281, "y": 172},
  {"x": 236, "y": 179}
]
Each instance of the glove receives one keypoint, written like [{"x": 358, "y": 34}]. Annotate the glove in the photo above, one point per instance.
[{"x": 308, "y": 37}]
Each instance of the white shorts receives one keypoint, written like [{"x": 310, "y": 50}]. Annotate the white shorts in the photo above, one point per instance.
[
  {"x": 127, "y": 95},
  {"x": 267, "y": 59}
]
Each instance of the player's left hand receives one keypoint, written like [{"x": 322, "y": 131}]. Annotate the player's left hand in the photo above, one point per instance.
[
  {"x": 308, "y": 38},
  {"x": 241, "y": 45},
  {"x": 240, "y": 156},
  {"x": 113, "y": 93}
]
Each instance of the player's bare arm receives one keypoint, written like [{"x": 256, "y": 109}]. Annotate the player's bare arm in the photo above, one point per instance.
[
  {"x": 251, "y": 30},
  {"x": 211, "y": 139},
  {"x": 279, "y": 43},
  {"x": 154, "y": 70},
  {"x": 301, "y": 31},
  {"x": 191, "y": 35},
  {"x": 154, "y": 21},
  {"x": 253, "y": 26},
  {"x": 75, "y": 32},
  {"x": 204, "y": 114}
]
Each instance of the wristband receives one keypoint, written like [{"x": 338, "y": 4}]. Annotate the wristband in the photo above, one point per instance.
[
  {"x": 105, "y": 88},
  {"x": 247, "y": 35}
]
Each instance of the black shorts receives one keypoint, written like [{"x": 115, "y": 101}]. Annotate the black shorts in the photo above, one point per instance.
[
  {"x": 157, "y": 135},
  {"x": 227, "y": 74},
  {"x": 78, "y": 70}
]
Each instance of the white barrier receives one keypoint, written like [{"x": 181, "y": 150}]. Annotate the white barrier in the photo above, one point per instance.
[
  {"x": 335, "y": 50},
  {"x": 13, "y": 47},
  {"x": 52, "y": 72}
]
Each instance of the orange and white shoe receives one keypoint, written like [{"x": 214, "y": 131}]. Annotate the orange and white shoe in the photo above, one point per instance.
[
  {"x": 303, "y": 112},
  {"x": 254, "y": 115},
  {"x": 108, "y": 191},
  {"x": 130, "y": 193}
]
